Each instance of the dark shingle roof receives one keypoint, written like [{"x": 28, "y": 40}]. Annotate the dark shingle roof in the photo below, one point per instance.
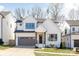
[
  {"x": 18, "y": 21},
  {"x": 73, "y": 22},
  {"x": 21, "y": 31}
]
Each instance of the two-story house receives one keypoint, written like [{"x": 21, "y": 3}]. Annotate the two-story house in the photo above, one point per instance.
[
  {"x": 7, "y": 26},
  {"x": 70, "y": 36},
  {"x": 37, "y": 32}
]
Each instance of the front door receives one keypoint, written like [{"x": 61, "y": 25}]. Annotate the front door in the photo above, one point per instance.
[{"x": 40, "y": 39}]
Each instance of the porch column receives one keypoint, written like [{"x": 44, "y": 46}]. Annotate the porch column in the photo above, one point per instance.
[
  {"x": 43, "y": 38},
  {"x": 16, "y": 41},
  {"x": 37, "y": 38}
]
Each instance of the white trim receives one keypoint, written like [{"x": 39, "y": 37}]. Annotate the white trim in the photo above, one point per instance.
[{"x": 16, "y": 41}]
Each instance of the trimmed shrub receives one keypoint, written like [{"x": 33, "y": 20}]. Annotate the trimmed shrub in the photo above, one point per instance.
[
  {"x": 62, "y": 45},
  {"x": 1, "y": 42},
  {"x": 36, "y": 46},
  {"x": 47, "y": 46}
]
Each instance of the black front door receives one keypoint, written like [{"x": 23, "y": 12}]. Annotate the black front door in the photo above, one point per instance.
[{"x": 40, "y": 38}]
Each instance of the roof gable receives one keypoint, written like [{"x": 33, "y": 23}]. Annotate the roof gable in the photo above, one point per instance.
[
  {"x": 50, "y": 26},
  {"x": 63, "y": 25},
  {"x": 40, "y": 28},
  {"x": 4, "y": 12}
]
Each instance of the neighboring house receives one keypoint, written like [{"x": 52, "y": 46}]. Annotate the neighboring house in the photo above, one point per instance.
[
  {"x": 37, "y": 32},
  {"x": 7, "y": 26},
  {"x": 70, "y": 36}
]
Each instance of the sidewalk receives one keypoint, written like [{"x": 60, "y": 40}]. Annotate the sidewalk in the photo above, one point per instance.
[{"x": 58, "y": 53}]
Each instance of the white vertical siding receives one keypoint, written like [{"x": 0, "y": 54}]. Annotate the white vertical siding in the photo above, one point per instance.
[
  {"x": 8, "y": 28},
  {"x": 52, "y": 28},
  {"x": 0, "y": 26}
]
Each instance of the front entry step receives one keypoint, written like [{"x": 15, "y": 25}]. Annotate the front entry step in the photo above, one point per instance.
[{"x": 40, "y": 45}]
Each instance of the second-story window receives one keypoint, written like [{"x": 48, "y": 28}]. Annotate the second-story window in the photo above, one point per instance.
[
  {"x": 65, "y": 31},
  {"x": 73, "y": 29},
  {"x": 30, "y": 26}
]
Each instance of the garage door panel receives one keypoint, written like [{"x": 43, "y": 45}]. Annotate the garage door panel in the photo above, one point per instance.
[{"x": 26, "y": 41}]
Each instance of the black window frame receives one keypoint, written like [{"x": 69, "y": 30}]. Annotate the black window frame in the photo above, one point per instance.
[{"x": 52, "y": 37}]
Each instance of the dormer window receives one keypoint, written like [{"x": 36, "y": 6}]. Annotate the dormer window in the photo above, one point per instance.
[{"x": 30, "y": 26}]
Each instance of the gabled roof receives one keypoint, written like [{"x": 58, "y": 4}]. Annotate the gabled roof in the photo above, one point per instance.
[
  {"x": 50, "y": 26},
  {"x": 4, "y": 12},
  {"x": 73, "y": 22},
  {"x": 63, "y": 25},
  {"x": 22, "y": 31},
  {"x": 40, "y": 28}
]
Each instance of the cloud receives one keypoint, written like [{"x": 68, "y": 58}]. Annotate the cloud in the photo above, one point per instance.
[{"x": 2, "y": 7}]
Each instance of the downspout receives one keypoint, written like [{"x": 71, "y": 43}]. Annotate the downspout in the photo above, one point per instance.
[
  {"x": 70, "y": 36},
  {"x": 61, "y": 41},
  {"x": 2, "y": 27}
]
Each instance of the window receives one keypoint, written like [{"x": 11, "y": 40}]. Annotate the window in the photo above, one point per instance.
[
  {"x": 73, "y": 29},
  {"x": 30, "y": 26},
  {"x": 56, "y": 36},
  {"x": 53, "y": 37},
  {"x": 65, "y": 31}
]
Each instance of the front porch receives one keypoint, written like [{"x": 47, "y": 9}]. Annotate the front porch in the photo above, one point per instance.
[
  {"x": 40, "y": 36},
  {"x": 41, "y": 39}
]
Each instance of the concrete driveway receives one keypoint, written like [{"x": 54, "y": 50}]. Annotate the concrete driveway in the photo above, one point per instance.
[{"x": 18, "y": 51}]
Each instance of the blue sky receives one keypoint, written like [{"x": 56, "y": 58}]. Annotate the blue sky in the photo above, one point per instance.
[
  {"x": 12, "y": 6},
  {"x": 27, "y": 6}
]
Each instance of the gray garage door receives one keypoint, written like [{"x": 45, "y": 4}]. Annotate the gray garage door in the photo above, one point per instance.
[
  {"x": 76, "y": 43},
  {"x": 26, "y": 41}
]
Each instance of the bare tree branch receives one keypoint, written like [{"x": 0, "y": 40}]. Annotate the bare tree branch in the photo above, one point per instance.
[
  {"x": 74, "y": 14},
  {"x": 71, "y": 14},
  {"x": 55, "y": 10},
  {"x": 20, "y": 13},
  {"x": 36, "y": 12}
]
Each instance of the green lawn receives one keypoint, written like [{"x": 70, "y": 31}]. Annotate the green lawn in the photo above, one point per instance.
[
  {"x": 2, "y": 47},
  {"x": 45, "y": 54},
  {"x": 56, "y": 50}
]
